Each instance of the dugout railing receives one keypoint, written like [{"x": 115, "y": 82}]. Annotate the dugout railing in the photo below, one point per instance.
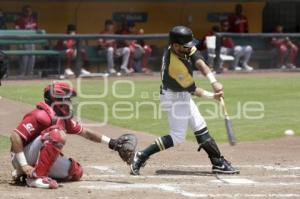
[
  {"x": 260, "y": 42},
  {"x": 15, "y": 47},
  {"x": 80, "y": 39}
]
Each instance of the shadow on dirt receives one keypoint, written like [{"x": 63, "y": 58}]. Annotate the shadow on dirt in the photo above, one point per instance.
[
  {"x": 181, "y": 172},
  {"x": 109, "y": 181}
]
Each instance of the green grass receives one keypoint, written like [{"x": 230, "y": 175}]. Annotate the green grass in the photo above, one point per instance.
[
  {"x": 4, "y": 144},
  {"x": 279, "y": 96}
]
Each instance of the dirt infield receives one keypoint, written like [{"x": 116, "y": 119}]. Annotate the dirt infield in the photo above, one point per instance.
[{"x": 269, "y": 169}]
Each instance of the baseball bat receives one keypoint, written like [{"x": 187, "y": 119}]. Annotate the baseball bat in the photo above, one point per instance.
[{"x": 228, "y": 124}]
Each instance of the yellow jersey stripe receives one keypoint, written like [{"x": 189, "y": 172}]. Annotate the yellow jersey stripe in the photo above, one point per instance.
[{"x": 179, "y": 72}]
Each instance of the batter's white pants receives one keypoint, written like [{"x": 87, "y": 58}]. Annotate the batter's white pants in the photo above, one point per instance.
[
  {"x": 59, "y": 170},
  {"x": 182, "y": 113}
]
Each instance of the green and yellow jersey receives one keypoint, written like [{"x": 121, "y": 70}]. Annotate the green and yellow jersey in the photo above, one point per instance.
[{"x": 177, "y": 72}]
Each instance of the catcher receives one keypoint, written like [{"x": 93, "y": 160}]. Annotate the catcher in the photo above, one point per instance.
[{"x": 37, "y": 142}]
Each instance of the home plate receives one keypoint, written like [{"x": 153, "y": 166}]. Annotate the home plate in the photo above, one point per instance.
[
  {"x": 234, "y": 181},
  {"x": 102, "y": 169}
]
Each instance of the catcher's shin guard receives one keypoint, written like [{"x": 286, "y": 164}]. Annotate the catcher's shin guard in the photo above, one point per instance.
[{"x": 53, "y": 141}]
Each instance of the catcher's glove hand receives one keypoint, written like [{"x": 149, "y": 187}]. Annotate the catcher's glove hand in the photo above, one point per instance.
[{"x": 125, "y": 145}]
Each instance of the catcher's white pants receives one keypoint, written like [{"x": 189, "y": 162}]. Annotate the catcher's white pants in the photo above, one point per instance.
[
  {"x": 59, "y": 170},
  {"x": 182, "y": 113}
]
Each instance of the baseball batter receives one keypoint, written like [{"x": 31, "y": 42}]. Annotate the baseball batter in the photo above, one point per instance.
[
  {"x": 37, "y": 142},
  {"x": 178, "y": 64}
]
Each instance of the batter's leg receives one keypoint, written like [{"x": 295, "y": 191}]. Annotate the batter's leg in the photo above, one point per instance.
[
  {"x": 178, "y": 117},
  {"x": 205, "y": 141}
]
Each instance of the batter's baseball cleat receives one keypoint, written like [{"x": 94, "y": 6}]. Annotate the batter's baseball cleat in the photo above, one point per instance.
[
  {"x": 139, "y": 161},
  {"x": 223, "y": 166},
  {"x": 42, "y": 182}
]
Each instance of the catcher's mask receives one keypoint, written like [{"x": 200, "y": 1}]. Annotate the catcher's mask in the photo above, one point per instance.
[{"x": 58, "y": 95}]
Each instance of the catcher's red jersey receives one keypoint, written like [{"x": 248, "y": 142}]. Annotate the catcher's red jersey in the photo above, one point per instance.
[{"x": 40, "y": 119}]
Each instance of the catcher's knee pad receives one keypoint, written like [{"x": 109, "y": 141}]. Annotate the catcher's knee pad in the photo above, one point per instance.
[
  {"x": 55, "y": 136},
  {"x": 75, "y": 171},
  {"x": 164, "y": 142}
]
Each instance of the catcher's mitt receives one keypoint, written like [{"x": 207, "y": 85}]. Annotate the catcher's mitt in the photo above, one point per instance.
[{"x": 125, "y": 145}]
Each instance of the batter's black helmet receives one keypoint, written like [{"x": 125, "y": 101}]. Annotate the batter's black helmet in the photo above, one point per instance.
[{"x": 182, "y": 35}]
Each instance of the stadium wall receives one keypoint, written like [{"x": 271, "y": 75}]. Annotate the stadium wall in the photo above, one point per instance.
[{"x": 90, "y": 15}]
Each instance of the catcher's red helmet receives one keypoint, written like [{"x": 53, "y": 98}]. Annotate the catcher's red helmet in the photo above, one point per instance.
[
  {"x": 58, "y": 95},
  {"x": 58, "y": 91}
]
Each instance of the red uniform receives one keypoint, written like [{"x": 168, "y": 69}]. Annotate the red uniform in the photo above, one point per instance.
[
  {"x": 26, "y": 22},
  {"x": 106, "y": 43},
  {"x": 132, "y": 44},
  {"x": 227, "y": 42},
  {"x": 40, "y": 119},
  {"x": 285, "y": 49},
  {"x": 70, "y": 47},
  {"x": 238, "y": 24},
  {"x": 203, "y": 46},
  {"x": 43, "y": 136}
]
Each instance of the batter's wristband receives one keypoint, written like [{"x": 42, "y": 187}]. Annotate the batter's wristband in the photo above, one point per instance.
[
  {"x": 211, "y": 78},
  {"x": 105, "y": 139},
  {"x": 21, "y": 159},
  {"x": 207, "y": 94}
]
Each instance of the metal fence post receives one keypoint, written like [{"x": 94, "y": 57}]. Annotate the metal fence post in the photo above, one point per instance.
[
  {"x": 217, "y": 66},
  {"x": 77, "y": 58}
]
